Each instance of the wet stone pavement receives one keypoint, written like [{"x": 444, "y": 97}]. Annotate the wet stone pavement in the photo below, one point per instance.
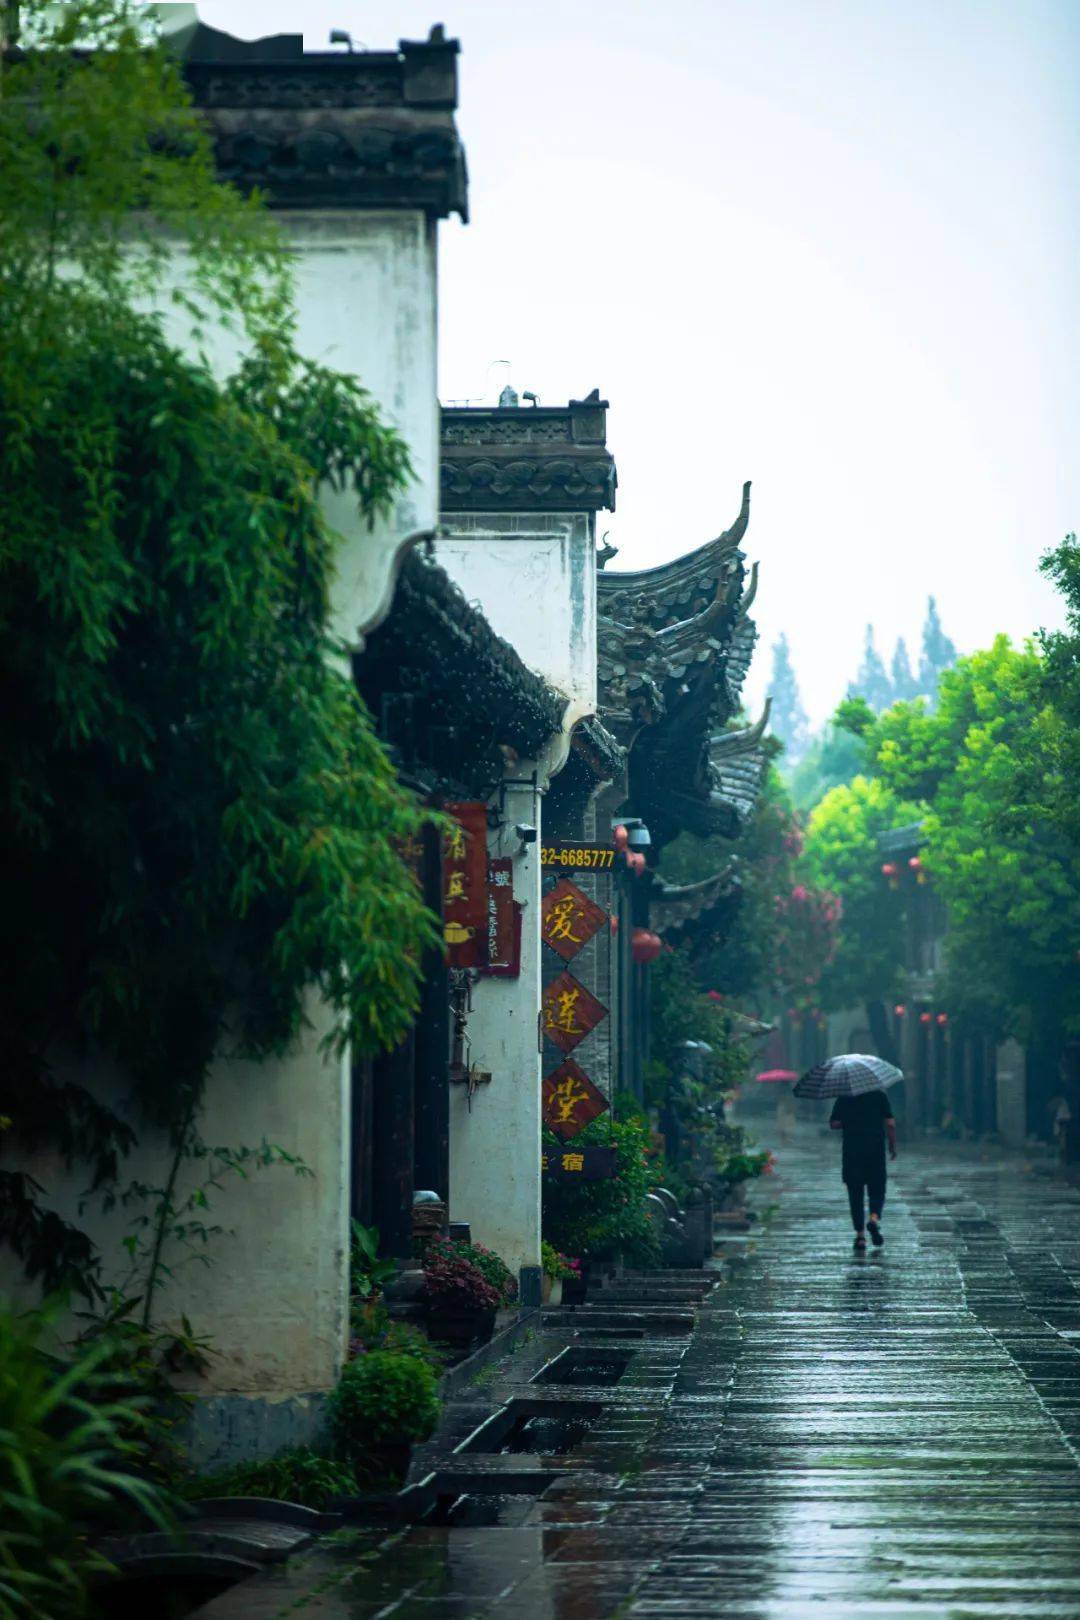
[{"x": 894, "y": 1436}]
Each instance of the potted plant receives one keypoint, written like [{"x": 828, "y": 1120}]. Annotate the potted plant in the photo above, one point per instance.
[
  {"x": 494, "y": 1270},
  {"x": 558, "y": 1269},
  {"x": 384, "y": 1402},
  {"x": 459, "y": 1300}
]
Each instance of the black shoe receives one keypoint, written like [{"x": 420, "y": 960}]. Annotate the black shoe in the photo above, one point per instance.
[
  {"x": 877, "y": 1237},
  {"x": 859, "y": 1245}
]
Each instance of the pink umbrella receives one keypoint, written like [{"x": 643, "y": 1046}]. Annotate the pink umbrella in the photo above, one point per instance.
[{"x": 778, "y": 1074}]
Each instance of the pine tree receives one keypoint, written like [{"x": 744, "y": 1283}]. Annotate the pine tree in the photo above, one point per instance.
[
  {"x": 872, "y": 681},
  {"x": 788, "y": 720},
  {"x": 904, "y": 684},
  {"x": 938, "y": 651}
]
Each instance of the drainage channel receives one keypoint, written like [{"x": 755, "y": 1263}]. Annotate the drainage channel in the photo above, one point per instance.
[{"x": 560, "y": 1417}]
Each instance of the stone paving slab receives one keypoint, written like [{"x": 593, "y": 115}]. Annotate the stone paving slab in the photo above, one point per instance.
[{"x": 889, "y": 1437}]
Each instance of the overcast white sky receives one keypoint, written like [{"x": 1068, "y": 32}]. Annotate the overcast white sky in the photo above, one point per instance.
[{"x": 829, "y": 245}]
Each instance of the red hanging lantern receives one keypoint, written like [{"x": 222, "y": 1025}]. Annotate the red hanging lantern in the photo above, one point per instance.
[
  {"x": 943, "y": 1018},
  {"x": 900, "y": 1009},
  {"x": 890, "y": 869},
  {"x": 924, "y": 1018},
  {"x": 645, "y": 946},
  {"x": 620, "y": 838}
]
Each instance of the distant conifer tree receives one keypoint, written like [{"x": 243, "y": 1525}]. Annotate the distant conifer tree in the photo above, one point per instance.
[
  {"x": 872, "y": 681},
  {"x": 938, "y": 651},
  {"x": 788, "y": 720},
  {"x": 904, "y": 683}
]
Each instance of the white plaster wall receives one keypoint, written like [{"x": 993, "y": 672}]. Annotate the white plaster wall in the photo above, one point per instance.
[
  {"x": 273, "y": 1301},
  {"x": 366, "y": 294},
  {"x": 495, "y": 1148},
  {"x": 535, "y": 579}
]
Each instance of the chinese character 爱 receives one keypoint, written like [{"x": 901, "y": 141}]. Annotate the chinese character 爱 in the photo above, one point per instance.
[{"x": 561, "y": 921}]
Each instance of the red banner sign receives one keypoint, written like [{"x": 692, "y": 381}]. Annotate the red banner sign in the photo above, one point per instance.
[
  {"x": 465, "y": 898},
  {"x": 569, "y": 919},
  {"x": 570, "y": 1100},
  {"x": 504, "y": 922},
  {"x": 569, "y": 1012}
]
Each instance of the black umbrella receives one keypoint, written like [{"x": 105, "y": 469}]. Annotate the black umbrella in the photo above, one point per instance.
[{"x": 848, "y": 1076}]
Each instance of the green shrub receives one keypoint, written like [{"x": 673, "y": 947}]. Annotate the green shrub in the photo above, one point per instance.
[
  {"x": 67, "y": 1445},
  {"x": 604, "y": 1217},
  {"x": 735, "y": 1158},
  {"x": 373, "y": 1328},
  {"x": 382, "y": 1399},
  {"x": 296, "y": 1475}
]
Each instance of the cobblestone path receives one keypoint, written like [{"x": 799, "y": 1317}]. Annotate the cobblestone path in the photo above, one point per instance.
[{"x": 845, "y": 1437}]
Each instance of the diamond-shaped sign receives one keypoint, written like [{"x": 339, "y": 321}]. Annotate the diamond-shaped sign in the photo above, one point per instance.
[
  {"x": 571, "y": 1100},
  {"x": 570, "y": 1012},
  {"x": 569, "y": 919}
]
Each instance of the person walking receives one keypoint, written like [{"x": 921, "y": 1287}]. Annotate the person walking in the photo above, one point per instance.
[
  {"x": 866, "y": 1122},
  {"x": 859, "y": 1081}
]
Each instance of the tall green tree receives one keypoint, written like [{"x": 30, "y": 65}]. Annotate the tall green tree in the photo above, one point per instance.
[
  {"x": 1004, "y": 864},
  {"x": 872, "y": 682},
  {"x": 938, "y": 652},
  {"x": 788, "y": 717},
  {"x": 905, "y": 684},
  {"x": 1052, "y": 753},
  {"x": 842, "y": 856},
  {"x": 199, "y": 825},
  {"x": 835, "y": 756}
]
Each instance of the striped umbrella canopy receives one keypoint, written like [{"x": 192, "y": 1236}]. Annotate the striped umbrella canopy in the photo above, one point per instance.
[{"x": 850, "y": 1075}]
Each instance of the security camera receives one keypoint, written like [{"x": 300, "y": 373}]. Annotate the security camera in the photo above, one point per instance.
[{"x": 526, "y": 834}]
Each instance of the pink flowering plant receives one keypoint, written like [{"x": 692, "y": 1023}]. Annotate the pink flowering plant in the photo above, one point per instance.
[{"x": 559, "y": 1267}]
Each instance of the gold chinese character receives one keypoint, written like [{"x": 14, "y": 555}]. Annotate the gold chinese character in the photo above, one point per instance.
[
  {"x": 455, "y": 889},
  {"x": 455, "y": 842},
  {"x": 562, "y": 1017},
  {"x": 561, "y": 921},
  {"x": 543, "y": 1161},
  {"x": 573, "y": 1161},
  {"x": 565, "y": 1099}
]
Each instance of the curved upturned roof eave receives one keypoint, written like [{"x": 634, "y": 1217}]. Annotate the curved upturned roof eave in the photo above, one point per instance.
[{"x": 701, "y": 561}]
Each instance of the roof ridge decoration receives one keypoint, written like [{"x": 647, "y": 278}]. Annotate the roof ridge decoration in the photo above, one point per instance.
[
  {"x": 728, "y": 744},
  {"x": 674, "y": 644},
  {"x": 512, "y": 458},
  {"x": 697, "y": 913},
  {"x": 690, "y": 891},
  {"x": 331, "y": 129},
  {"x": 749, "y": 594},
  {"x": 649, "y": 590}
]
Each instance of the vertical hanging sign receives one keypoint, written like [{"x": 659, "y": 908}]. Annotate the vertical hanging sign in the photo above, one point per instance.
[
  {"x": 504, "y": 922},
  {"x": 465, "y": 892}
]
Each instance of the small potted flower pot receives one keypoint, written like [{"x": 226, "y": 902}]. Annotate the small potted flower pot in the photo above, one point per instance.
[
  {"x": 460, "y": 1328},
  {"x": 551, "y": 1290}
]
